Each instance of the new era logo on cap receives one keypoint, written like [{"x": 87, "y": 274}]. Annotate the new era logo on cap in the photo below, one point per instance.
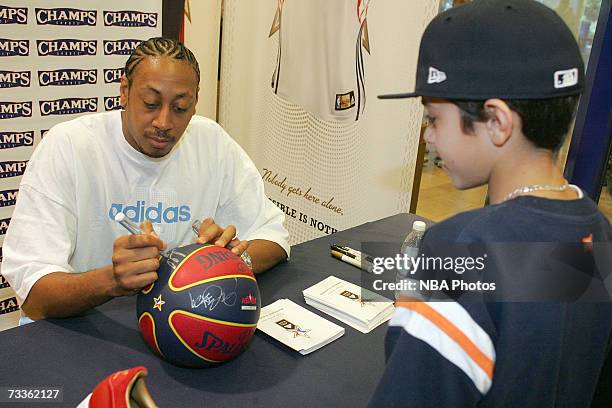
[
  {"x": 568, "y": 77},
  {"x": 435, "y": 76}
]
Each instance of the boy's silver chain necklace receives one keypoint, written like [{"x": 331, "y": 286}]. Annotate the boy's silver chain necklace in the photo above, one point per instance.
[{"x": 536, "y": 187}]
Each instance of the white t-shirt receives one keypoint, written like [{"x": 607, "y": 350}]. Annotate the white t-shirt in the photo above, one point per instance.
[
  {"x": 321, "y": 50},
  {"x": 84, "y": 172}
]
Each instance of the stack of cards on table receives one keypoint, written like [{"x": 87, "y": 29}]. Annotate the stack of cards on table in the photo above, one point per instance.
[
  {"x": 361, "y": 309},
  {"x": 297, "y": 327}
]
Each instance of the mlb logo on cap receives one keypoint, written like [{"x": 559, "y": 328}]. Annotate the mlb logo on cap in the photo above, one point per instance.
[{"x": 564, "y": 79}]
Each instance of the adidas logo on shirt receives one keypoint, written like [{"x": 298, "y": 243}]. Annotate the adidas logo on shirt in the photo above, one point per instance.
[{"x": 155, "y": 213}]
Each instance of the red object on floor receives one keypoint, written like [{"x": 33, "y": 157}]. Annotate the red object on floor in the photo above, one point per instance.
[{"x": 123, "y": 389}]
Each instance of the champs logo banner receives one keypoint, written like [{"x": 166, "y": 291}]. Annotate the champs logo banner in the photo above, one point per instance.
[
  {"x": 3, "y": 282},
  {"x": 14, "y": 48},
  {"x": 10, "y": 140},
  {"x": 68, "y": 106},
  {"x": 11, "y": 110},
  {"x": 13, "y": 15},
  {"x": 113, "y": 75},
  {"x": 8, "y": 305},
  {"x": 111, "y": 103},
  {"x": 66, "y": 77},
  {"x": 14, "y": 79},
  {"x": 13, "y": 168},
  {"x": 66, "y": 17},
  {"x": 66, "y": 47},
  {"x": 4, "y": 224},
  {"x": 8, "y": 197},
  {"x": 129, "y": 18},
  {"x": 120, "y": 47}
]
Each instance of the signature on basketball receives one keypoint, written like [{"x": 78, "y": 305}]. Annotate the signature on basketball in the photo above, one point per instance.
[
  {"x": 174, "y": 258},
  {"x": 212, "y": 297}
]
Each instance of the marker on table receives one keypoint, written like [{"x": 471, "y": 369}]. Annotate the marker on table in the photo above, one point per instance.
[
  {"x": 351, "y": 251},
  {"x": 131, "y": 226},
  {"x": 353, "y": 260}
]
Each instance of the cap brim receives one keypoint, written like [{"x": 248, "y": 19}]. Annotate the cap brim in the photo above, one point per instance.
[{"x": 399, "y": 95}]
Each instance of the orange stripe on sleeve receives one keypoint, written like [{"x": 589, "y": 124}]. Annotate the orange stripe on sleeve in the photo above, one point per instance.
[{"x": 481, "y": 359}]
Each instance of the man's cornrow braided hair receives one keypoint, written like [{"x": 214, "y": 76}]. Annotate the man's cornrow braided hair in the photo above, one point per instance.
[{"x": 160, "y": 47}]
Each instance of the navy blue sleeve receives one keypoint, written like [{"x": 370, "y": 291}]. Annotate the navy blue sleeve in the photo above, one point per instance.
[{"x": 418, "y": 376}]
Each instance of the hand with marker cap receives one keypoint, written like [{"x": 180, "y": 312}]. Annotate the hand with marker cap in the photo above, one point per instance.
[{"x": 135, "y": 257}]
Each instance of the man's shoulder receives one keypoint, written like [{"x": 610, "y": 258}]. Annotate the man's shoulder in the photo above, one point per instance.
[
  {"x": 81, "y": 136},
  {"x": 207, "y": 135},
  {"x": 203, "y": 125},
  {"x": 83, "y": 126}
]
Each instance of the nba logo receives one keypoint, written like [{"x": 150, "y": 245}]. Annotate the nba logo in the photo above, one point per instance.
[{"x": 345, "y": 101}]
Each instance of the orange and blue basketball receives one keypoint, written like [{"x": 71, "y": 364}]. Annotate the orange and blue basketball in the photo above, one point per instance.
[{"x": 202, "y": 310}]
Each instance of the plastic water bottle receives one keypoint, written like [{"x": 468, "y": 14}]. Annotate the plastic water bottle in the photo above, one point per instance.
[{"x": 410, "y": 248}]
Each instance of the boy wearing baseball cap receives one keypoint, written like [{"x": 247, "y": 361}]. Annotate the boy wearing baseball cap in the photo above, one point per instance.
[{"x": 500, "y": 81}]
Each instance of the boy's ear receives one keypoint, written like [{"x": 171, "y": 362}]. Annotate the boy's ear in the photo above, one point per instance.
[{"x": 501, "y": 121}]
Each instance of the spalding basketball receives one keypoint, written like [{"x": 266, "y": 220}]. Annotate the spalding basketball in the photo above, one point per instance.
[{"x": 202, "y": 310}]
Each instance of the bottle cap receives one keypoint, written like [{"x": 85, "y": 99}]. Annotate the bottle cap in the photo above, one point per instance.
[{"x": 419, "y": 226}]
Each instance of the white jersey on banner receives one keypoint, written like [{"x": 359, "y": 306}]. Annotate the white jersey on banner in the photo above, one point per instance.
[{"x": 320, "y": 61}]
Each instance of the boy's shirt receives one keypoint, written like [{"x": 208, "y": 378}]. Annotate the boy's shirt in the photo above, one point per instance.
[{"x": 529, "y": 354}]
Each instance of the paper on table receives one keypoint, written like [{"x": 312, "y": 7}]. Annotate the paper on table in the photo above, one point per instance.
[
  {"x": 347, "y": 319},
  {"x": 297, "y": 327},
  {"x": 349, "y": 303}
]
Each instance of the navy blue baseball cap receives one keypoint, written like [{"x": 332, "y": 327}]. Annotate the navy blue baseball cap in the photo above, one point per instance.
[{"x": 512, "y": 49}]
